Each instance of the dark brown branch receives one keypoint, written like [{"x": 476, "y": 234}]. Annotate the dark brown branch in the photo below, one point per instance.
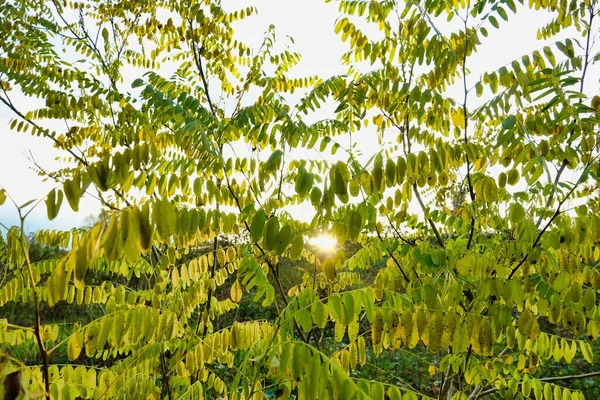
[
  {"x": 269, "y": 263},
  {"x": 198, "y": 60},
  {"x": 165, "y": 378},
  {"x": 397, "y": 264},
  {"x": 40, "y": 343},
  {"x": 407, "y": 149},
  {"x": 465, "y": 129},
  {"x": 36, "y": 300},
  {"x": 398, "y": 234},
  {"x": 9, "y": 104},
  {"x": 556, "y": 214},
  {"x": 396, "y": 261},
  {"x": 570, "y": 377},
  {"x": 429, "y": 220},
  {"x": 541, "y": 233},
  {"x": 44, "y": 132}
]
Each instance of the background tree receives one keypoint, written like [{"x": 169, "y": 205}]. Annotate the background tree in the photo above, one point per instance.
[{"x": 203, "y": 169}]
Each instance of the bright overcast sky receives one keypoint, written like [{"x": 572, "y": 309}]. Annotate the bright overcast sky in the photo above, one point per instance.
[{"x": 310, "y": 23}]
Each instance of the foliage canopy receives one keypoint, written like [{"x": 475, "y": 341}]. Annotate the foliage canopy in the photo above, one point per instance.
[{"x": 476, "y": 220}]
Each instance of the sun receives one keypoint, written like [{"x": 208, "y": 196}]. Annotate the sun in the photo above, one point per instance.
[{"x": 324, "y": 242}]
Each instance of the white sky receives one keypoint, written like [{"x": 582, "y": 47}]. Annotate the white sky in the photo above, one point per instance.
[{"x": 310, "y": 23}]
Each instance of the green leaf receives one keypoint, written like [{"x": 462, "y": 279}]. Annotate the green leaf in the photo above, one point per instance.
[
  {"x": 354, "y": 224},
  {"x": 494, "y": 21},
  {"x": 297, "y": 245},
  {"x": 516, "y": 213},
  {"x": 138, "y": 83},
  {"x": 272, "y": 233},
  {"x": 27, "y": 203},
  {"x": 53, "y": 203},
  {"x": 72, "y": 193},
  {"x": 509, "y": 122},
  {"x": 283, "y": 239},
  {"x": 257, "y": 225},
  {"x": 502, "y": 13},
  {"x": 274, "y": 161}
]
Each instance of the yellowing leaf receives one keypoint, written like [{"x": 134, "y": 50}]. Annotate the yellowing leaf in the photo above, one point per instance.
[
  {"x": 513, "y": 177},
  {"x": 75, "y": 345},
  {"x": 516, "y": 213},
  {"x": 236, "y": 291},
  {"x": 329, "y": 268},
  {"x": 586, "y": 350},
  {"x": 319, "y": 313},
  {"x": 146, "y": 229}
]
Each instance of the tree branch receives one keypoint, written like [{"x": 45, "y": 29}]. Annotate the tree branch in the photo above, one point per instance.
[
  {"x": 581, "y": 82},
  {"x": 466, "y": 127},
  {"x": 198, "y": 60},
  {"x": 539, "y": 236},
  {"x": 165, "y": 377},
  {"x": 429, "y": 220},
  {"x": 36, "y": 300},
  {"x": 44, "y": 132}
]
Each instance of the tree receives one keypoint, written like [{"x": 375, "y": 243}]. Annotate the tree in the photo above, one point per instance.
[{"x": 493, "y": 285}]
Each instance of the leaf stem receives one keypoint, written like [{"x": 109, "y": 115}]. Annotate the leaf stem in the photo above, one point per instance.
[{"x": 548, "y": 379}]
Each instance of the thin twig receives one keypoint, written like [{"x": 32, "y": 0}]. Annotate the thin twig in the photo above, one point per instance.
[
  {"x": 581, "y": 83},
  {"x": 429, "y": 220},
  {"x": 198, "y": 59},
  {"x": 466, "y": 127}
]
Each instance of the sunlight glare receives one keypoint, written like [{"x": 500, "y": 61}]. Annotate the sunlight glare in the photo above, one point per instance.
[{"x": 324, "y": 242}]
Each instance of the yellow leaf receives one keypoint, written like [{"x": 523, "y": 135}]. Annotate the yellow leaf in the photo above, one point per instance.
[
  {"x": 431, "y": 370},
  {"x": 75, "y": 345},
  {"x": 458, "y": 118},
  {"x": 586, "y": 350},
  {"x": 236, "y": 291}
]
